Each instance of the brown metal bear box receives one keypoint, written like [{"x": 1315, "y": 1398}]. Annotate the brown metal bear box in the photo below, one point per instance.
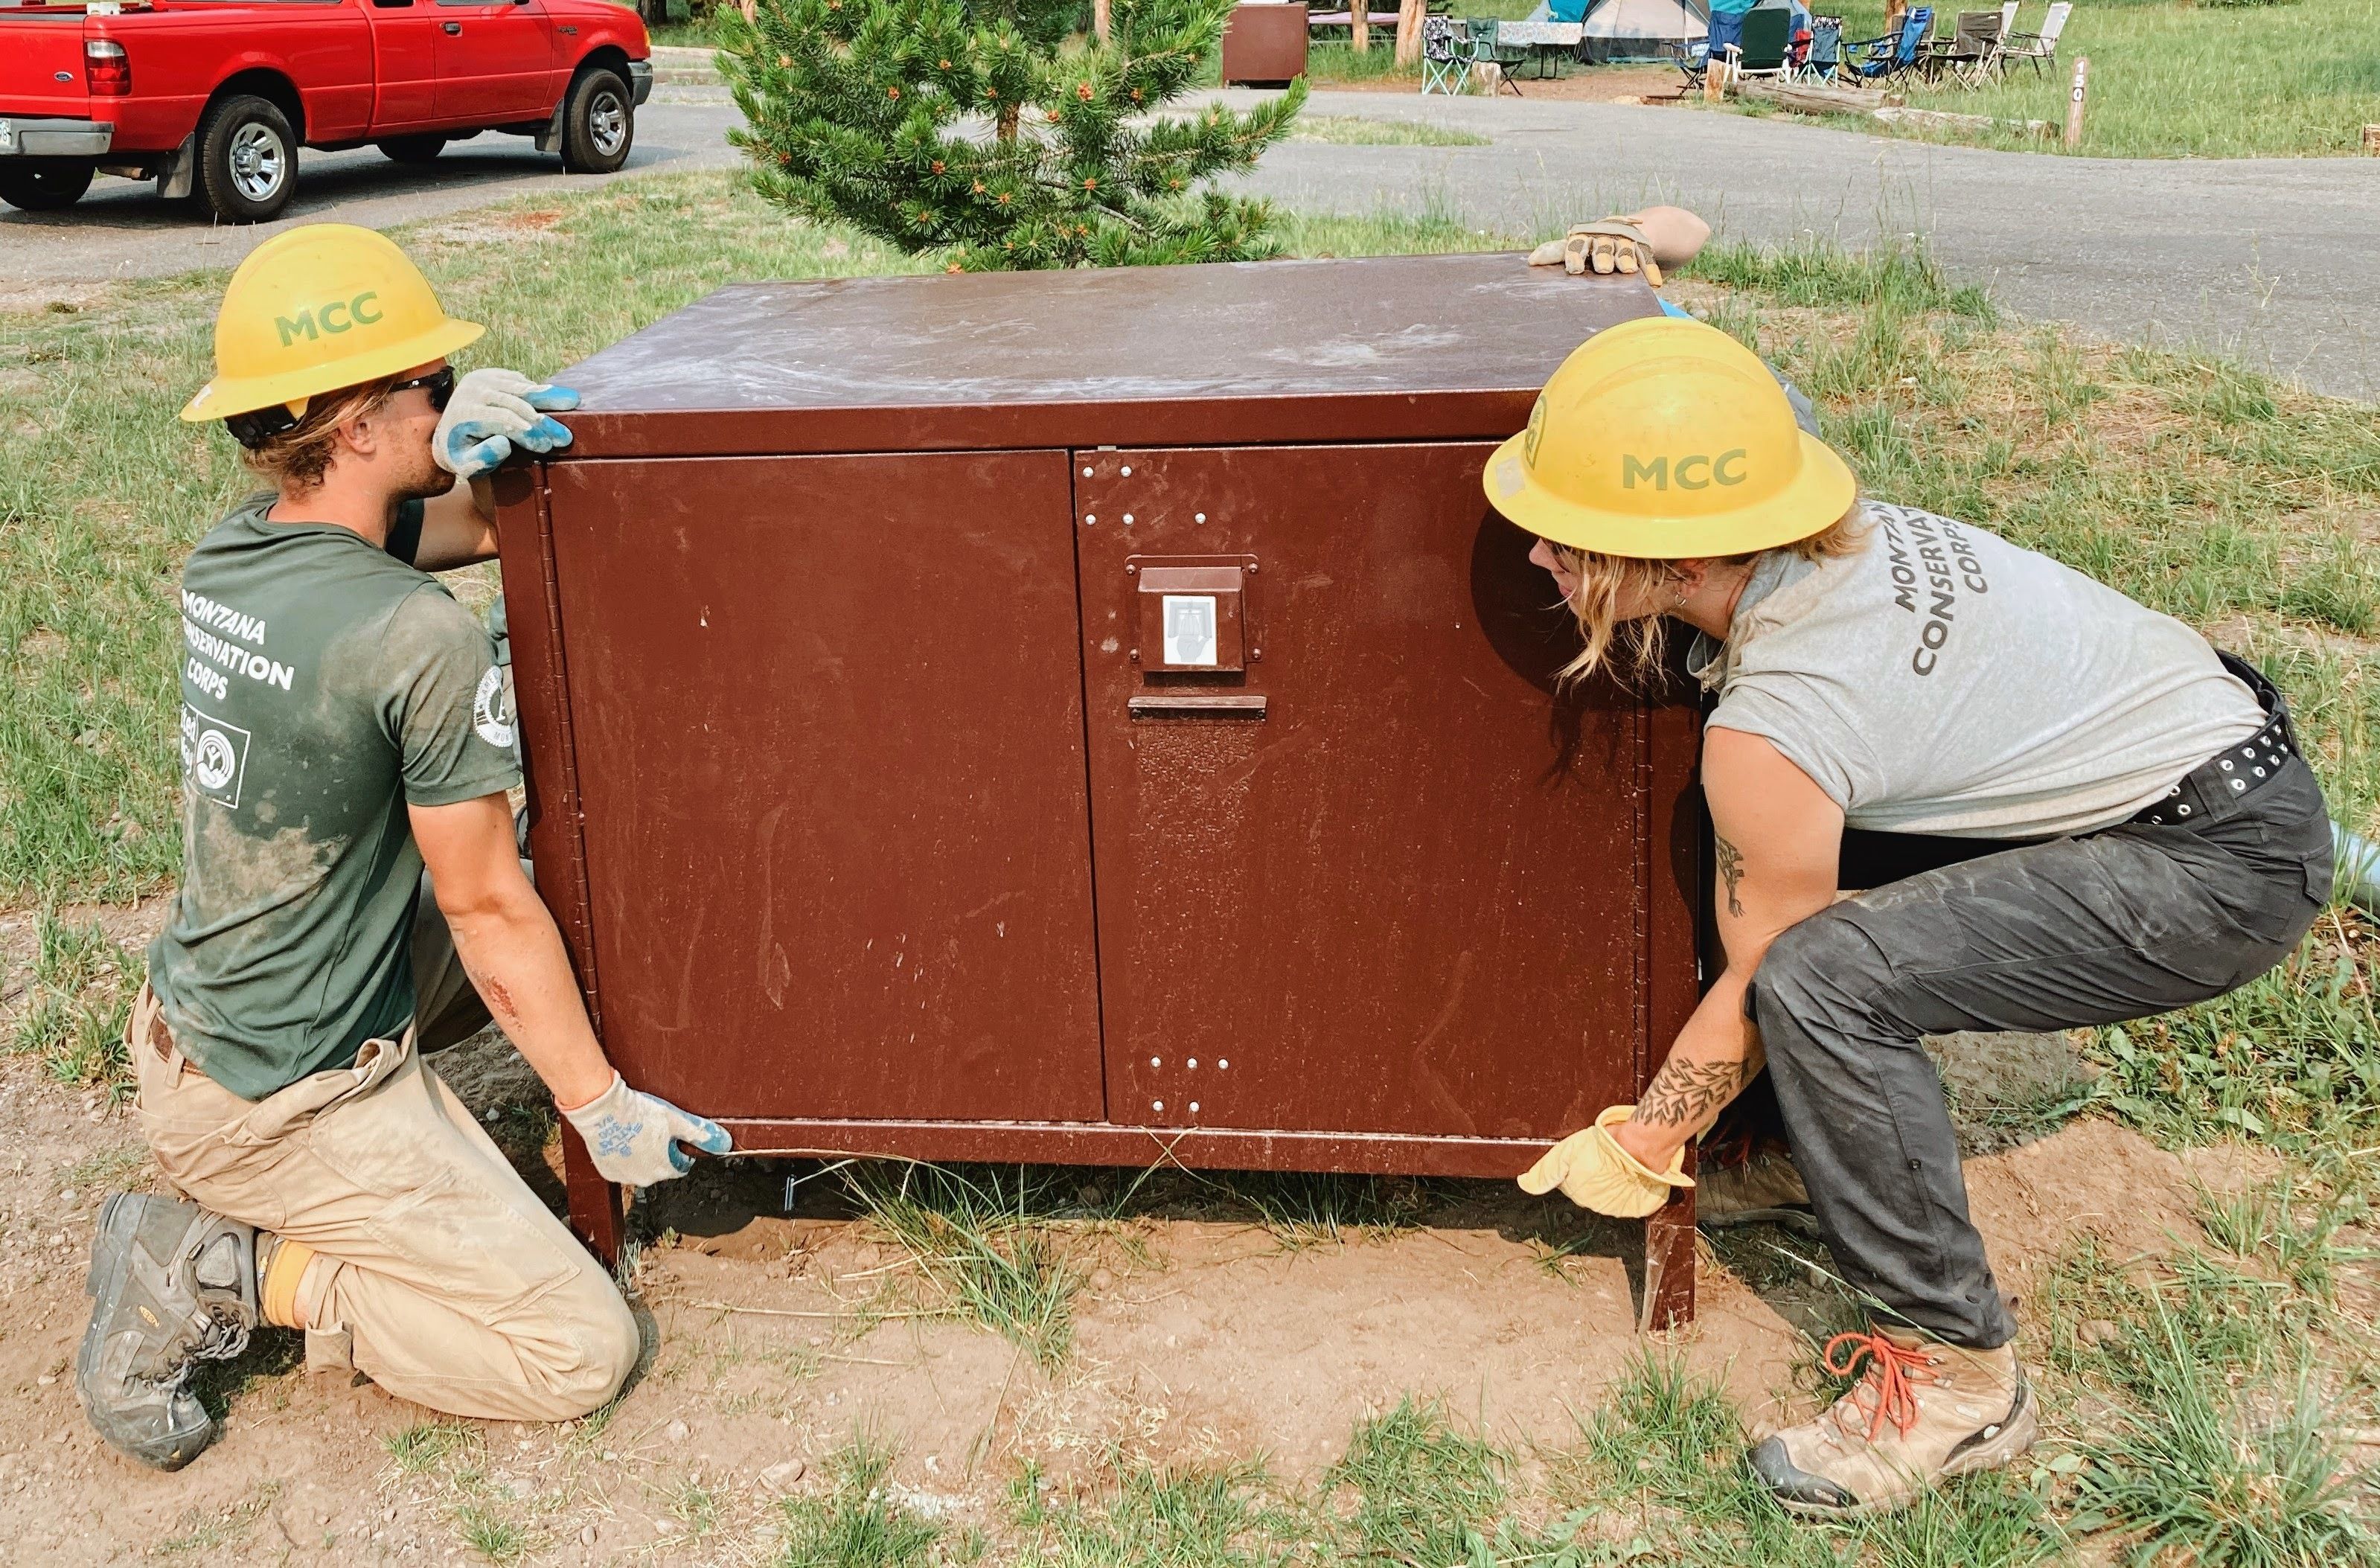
[{"x": 1094, "y": 717}]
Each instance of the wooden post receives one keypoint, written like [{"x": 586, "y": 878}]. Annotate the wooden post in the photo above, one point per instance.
[
  {"x": 2372, "y": 139},
  {"x": 2074, "y": 100},
  {"x": 1099, "y": 20},
  {"x": 1409, "y": 16},
  {"x": 1359, "y": 24},
  {"x": 1715, "y": 78}
]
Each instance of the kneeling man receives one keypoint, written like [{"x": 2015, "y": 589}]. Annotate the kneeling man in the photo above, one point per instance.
[{"x": 343, "y": 727}]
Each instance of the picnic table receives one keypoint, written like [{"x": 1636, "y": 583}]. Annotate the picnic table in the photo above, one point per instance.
[{"x": 1547, "y": 42}]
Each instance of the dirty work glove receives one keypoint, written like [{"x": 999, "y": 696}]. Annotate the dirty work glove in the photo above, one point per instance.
[
  {"x": 634, "y": 1137},
  {"x": 1612, "y": 246},
  {"x": 493, "y": 411},
  {"x": 1595, "y": 1172}
]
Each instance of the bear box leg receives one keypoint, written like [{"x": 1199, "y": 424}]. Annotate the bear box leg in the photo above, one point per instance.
[
  {"x": 595, "y": 1212},
  {"x": 1670, "y": 1264}
]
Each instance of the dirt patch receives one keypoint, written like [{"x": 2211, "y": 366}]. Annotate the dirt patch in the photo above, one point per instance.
[
  {"x": 775, "y": 1337},
  {"x": 2095, "y": 1178}
]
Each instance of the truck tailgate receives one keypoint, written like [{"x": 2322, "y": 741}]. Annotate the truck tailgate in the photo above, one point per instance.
[{"x": 36, "y": 51}]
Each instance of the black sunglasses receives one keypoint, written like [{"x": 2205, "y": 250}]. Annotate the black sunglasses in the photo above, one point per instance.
[
  {"x": 253, "y": 430},
  {"x": 438, "y": 383}
]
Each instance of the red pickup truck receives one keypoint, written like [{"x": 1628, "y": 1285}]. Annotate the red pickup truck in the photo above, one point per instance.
[{"x": 213, "y": 98}]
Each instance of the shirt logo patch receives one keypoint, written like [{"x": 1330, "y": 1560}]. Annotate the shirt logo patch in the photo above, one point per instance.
[
  {"x": 215, "y": 756},
  {"x": 491, "y": 709}
]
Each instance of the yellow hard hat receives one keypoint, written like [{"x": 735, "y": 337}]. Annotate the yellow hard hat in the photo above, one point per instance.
[
  {"x": 317, "y": 309},
  {"x": 1667, "y": 440}
]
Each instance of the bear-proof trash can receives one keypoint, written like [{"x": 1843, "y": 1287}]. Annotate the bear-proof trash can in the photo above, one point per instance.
[{"x": 1095, "y": 717}]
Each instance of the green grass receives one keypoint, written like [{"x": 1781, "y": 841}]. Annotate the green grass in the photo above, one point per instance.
[
  {"x": 1351, "y": 130},
  {"x": 77, "y": 1000},
  {"x": 858, "y": 1524},
  {"x": 493, "y": 1536},
  {"x": 1153, "y": 1517},
  {"x": 977, "y": 1234},
  {"x": 2171, "y": 79}
]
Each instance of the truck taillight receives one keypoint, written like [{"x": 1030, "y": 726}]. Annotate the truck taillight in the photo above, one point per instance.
[{"x": 107, "y": 68}]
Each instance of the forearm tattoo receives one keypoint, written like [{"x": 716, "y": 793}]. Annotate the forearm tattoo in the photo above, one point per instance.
[
  {"x": 1730, "y": 871},
  {"x": 1684, "y": 1091}
]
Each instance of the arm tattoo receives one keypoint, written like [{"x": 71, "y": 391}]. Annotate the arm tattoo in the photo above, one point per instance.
[
  {"x": 1730, "y": 870},
  {"x": 1684, "y": 1091}
]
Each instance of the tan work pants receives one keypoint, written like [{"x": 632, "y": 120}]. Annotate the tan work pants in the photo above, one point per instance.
[{"x": 440, "y": 1275}]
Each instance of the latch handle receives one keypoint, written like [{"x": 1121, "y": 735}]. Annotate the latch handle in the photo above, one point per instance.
[{"x": 1198, "y": 705}]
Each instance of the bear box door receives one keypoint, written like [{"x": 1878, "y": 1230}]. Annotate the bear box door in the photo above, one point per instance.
[{"x": 1358, "y": 866}]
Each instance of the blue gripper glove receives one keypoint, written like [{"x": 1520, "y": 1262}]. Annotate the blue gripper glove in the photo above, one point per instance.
[
  {"x": 634, "y": 1137},
  {"x": 493, "y": 411}
]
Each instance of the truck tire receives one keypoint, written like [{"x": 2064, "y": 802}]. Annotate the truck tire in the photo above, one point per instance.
[
  {"x": 599, "y": 123},
  {"x": 248, "y": 159},
  {"x": 412, "y": 149},
  {"x": 44, "y": 187}
]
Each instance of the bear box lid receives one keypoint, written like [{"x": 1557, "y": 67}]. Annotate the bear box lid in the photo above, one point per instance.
[{"x": 1376, "y": 348}]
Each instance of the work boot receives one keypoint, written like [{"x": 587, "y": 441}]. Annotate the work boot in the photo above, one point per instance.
[
  {"x": 170, "y": 1284},
  {"x": 1925, "y": 1410},
  {"x": 1765, "y": 1188}
]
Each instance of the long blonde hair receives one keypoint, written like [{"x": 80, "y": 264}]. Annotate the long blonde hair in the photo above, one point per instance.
[{"x": 1632, "y": 649}]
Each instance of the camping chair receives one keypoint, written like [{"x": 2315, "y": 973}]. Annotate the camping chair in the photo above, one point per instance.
[
  {"x": 1445, "y": 55},
  {"x": 1894, "y": 54},
  {"x": 1826, "y": 49},
  {"x": 1995, "y": 60},
  {"x": 1486, "y": 49},
  {"x": 2041, "y": 47},
  {"x": 1976, "y": 35},
  {"x": 1766, "y": 35}
]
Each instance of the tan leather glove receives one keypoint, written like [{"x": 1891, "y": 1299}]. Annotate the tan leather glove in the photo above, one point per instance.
[
  {"x": 1595, "y": 1172},
  {"x": 1614, "y": 245}
]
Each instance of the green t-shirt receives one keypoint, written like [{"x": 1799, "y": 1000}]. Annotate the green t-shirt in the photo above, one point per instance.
[{"x": 326, "y": 684}]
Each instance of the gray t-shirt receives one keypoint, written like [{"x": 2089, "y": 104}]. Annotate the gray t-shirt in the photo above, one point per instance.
[{"x": 1941, "y": 680}]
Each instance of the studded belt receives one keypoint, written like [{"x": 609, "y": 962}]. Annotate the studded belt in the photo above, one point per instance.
[{"x": 2215, "y": 787}]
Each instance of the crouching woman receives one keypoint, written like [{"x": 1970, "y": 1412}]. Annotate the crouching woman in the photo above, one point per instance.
[{"x": 2089, "y": 816}]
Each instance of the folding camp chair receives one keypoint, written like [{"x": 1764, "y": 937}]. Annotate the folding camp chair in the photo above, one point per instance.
[
  {"x": 1445, "y": 55},
  {"x": 1963, "y": 58},
  {"x": 1895, "y": 53},
  {"x": 1995, "y": 61},
  {"x": 1488, "y": 49},
  {"x": 2041, "y": 47},
  {"x": 1768, "y": 33},
  {"x": 1826, "y": 49}
]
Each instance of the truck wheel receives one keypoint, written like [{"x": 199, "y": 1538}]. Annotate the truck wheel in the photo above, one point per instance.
[
  {"x": 412, "y": 149},
  {"x": 248, "y": 159},
  {"x": 599, "y": 124},
  {"x": 44, "y": 187}
]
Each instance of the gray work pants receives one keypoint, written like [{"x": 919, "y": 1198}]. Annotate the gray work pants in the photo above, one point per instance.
[{"x": 2118, "y": 924}]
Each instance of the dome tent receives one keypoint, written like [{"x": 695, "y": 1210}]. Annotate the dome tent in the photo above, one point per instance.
[{"x": 1642, "y": 30}]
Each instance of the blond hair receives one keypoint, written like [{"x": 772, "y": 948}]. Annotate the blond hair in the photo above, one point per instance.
[
  {"x": 1632, "y": 649},
  {"x": 297, "y": 458}
]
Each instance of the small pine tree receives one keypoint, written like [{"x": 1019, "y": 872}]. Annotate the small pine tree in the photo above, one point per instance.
[{"x": 987, "y": 129}]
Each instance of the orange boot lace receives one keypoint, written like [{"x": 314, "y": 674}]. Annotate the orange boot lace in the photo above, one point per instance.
[{"x": 1891, "y": 1372}]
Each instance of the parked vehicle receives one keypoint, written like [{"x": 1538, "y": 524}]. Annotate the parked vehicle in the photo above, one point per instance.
[{"x": 213, "y": 98}]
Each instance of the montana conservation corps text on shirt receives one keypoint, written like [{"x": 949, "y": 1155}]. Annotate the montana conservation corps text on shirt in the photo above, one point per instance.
[
  {"x": 326, "y": 684},
  {"x": 1941, "y": 680}
]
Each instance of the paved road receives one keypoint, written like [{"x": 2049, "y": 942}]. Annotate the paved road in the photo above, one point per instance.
[
  {"x": 121, "y": 229},
  {"x": 2269, "y": 258}
]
